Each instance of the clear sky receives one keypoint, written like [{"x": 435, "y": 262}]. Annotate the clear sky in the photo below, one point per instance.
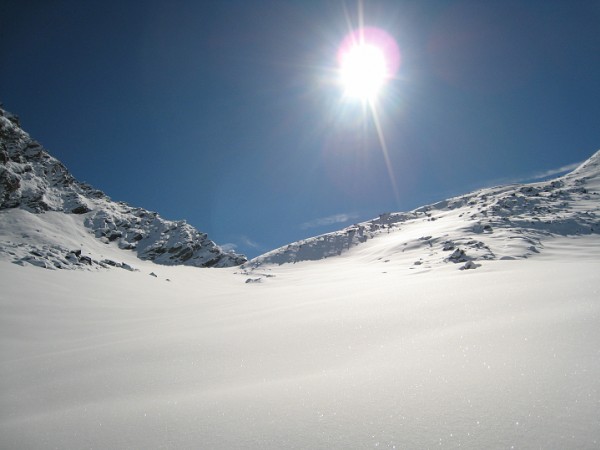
[{"x": 228, "y": 114}]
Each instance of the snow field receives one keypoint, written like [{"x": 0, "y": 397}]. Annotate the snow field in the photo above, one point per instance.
[{"x": 324, "y": 354}]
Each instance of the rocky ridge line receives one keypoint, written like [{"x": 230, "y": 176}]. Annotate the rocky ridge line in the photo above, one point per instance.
[
  {"x": 516, "y": 217},
  {"x": 32, "y": 180}
]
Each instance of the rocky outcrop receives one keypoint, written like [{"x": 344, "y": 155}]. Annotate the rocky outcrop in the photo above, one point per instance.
[
  {"x": 33, "y": 180},
  {"x": 479, "y": 226}
]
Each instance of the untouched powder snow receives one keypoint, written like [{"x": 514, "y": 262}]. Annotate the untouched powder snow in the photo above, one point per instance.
[{"x": 346, "y": 352}]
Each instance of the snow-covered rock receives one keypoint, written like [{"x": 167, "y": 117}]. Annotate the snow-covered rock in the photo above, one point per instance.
[
  {"x": 506, "y": 222},
  {"x": 34, "y": 181}
]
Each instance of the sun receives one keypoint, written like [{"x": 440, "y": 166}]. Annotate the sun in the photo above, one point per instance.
[
  {"x": 363, "y": 71},
  {"x": 367, "y": 59}
]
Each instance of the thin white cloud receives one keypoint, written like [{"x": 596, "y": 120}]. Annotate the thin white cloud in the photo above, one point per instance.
[
  {"x": 229, "y": 247},
  {"x": 329, "y": 220},
  {"x": 245, "y": 240},
  {"x": 533, "y": 177},
  {"x": 242, "y": 241},
  {"x": 551, "y": 172}
]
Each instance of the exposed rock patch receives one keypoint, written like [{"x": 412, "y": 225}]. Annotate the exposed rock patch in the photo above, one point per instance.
[{"x": 33, "y": 180}]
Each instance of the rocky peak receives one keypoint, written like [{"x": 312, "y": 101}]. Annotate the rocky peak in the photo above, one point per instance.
[{"x": 33, "y": 180}]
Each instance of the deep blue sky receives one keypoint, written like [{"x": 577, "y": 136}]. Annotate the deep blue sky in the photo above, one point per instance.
[{"x": 222, "y": 112}]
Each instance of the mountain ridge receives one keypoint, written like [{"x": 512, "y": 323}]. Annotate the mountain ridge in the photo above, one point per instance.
[
  {"x": 480, "y": 224},
  {"x": 501, "y": 222},
  {"x": 33, "y": 180}
]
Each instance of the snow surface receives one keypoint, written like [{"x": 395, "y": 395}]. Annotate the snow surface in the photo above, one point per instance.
[{"x": 346, "y": 352}]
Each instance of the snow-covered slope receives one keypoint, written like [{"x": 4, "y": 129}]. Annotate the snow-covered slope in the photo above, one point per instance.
[
  {"x": 505, "y": 222},
  {"x": 33, "y": 185},
  {"x": 345, "y": 352},
  {"x": 385, "y": 345}
]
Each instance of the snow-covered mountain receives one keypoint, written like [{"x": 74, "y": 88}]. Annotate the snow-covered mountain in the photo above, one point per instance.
[
  {"x": 506, "y": 222},
  {"x": 36, "y": 187},
  {"x": 373, "y": 339}
]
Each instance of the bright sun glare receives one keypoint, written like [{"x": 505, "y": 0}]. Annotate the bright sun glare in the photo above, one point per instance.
[
  {"x": 367, "y": 59},
  {"x": 363, "y": 71}
]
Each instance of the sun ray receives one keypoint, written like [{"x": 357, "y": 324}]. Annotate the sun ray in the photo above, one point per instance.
[
  {"x": 384, "y": 150},
  {"x": 368, "y": 58}
]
